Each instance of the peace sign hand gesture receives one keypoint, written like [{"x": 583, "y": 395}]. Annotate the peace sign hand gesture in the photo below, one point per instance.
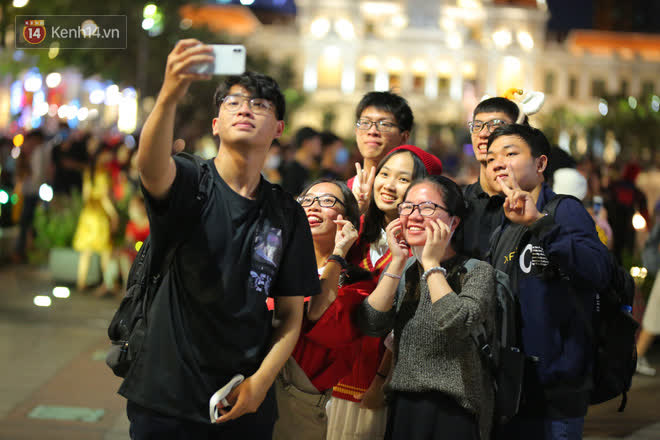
[
  {"x": 519, "y": 206},
  {"x": 362, "y": 186}
]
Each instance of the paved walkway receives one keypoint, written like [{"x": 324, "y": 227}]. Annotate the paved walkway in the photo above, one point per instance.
[{"x": 52, "y": 366}]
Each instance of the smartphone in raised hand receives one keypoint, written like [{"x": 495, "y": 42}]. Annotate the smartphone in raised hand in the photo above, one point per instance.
[{"x": 229, "y": 60}]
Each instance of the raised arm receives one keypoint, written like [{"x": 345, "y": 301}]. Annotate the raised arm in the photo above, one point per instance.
[
  {"x": 344, "y": 239},
  {"x": 155, "y": 164}
]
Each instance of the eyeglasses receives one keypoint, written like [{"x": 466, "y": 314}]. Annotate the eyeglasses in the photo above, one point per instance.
[
  {"x": 258, "y": 106},
  {"x": 476, "y": 126},
  {"x": 426, "y": 209},
  {"x": 382, "y": 126},
  {"x": 324, "y": 201}
]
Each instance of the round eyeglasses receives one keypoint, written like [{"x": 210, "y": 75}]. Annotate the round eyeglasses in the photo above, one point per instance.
[
  {"x": 324, "y": 201},
  {"x": 382, "y": 126},
  {"x": 426, "y": 209},
  {"x": 476, "y": 126},
  {"x": 258, "y": 106}
]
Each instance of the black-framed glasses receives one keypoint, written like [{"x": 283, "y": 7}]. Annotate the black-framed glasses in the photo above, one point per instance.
[
  {"x": 325, "y": 201},
  {"x": 476, "y": 126},
  {"x": 426, "y": 209},
  {"x": 258, "y": 106},
  {"x": 382, "y": 126}
]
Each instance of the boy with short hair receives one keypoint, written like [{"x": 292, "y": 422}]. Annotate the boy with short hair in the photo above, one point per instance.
[{"x": 536, "y": 250}]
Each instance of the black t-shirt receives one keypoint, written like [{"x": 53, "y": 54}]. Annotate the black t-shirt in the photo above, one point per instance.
[
  {"x": 484, "y": 215},
  {"x": 209, "y": 319}
]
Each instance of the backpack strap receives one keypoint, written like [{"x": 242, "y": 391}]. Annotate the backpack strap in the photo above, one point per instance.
[
  {"x": 551, "y": 206},
  {"x": 161, "y": 258},
  {"x": 478, "y": 333}
]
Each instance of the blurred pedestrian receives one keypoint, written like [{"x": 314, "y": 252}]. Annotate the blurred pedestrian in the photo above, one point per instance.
[
  {"x": 31, "y": 174},
  {"x": 624, "y": 200},
  {"x": 297, "y": 173},
  {"x": 651, "y": 320},
  {"x": 334, "y": 158}
]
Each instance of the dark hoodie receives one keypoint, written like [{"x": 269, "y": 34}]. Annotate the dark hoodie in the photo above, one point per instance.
[{"x": 554, "y": 332}]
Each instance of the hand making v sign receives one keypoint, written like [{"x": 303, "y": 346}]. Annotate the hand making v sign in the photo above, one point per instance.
[
  {"x": 362, "y": 186},
  {"x": 519, "y": 206}
]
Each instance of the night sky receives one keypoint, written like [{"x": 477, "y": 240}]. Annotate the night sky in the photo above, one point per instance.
[{"x": 570, "y": 14}]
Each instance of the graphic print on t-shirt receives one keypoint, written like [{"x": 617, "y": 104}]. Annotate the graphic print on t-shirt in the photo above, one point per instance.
[{"x": 265, "y": 257}]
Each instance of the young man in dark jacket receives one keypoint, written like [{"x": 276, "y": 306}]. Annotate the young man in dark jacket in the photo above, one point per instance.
[{"x": 536, "y": 250}]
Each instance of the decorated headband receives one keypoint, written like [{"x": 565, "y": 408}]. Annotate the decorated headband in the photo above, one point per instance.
[{"x": 529, "y": 102}]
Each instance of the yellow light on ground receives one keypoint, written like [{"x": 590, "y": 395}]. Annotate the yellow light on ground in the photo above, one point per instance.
[
  {"x": 638, "y": 221},
  {"x": 502, "y": 38},
  {"x": 61, "y": 292},
  {"x": 320, "y": 27},
  {"x": 18, "y": 140},
  {"x": 42, "y": 301},
  {"x": 634, "y": 271}
]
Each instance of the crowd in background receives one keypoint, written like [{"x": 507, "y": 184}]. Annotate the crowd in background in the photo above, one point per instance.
[{"x": 101, "y": 168}]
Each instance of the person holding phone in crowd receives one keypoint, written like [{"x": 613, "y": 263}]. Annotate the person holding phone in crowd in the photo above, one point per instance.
[{"x": 209, "y": 319}]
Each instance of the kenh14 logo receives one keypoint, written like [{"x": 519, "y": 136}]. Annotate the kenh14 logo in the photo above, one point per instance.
[{"x": 34, "y": 31}]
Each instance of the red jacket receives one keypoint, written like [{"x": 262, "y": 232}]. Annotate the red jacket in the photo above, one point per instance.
[{"x": 367, "y": 351}]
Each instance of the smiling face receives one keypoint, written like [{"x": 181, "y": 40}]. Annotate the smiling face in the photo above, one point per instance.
[
  {"x": 391, "y": 183},
  {"x": 511, "y": 153},
  {"x": 244, "y": 127},
  {"x": 374, "y": 144},
  {"x": 321, "y": 220},
  {"x": 414, "y": 225},
  {"x": 480, "y": 139}
]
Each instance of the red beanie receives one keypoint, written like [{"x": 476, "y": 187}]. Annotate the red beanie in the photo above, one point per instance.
[{"x": 432, "y": 164}]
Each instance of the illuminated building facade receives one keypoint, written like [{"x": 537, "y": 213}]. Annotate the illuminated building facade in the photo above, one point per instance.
[{"x": 443, "y": 56}]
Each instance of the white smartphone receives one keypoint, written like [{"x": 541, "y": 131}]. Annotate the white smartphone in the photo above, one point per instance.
[
  {"x": 220, "y": 396},
  {"x": 229, "y": 60}
]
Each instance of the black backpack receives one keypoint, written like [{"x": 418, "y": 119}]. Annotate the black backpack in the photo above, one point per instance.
[
  {"x": 502, "y": 356},
  {"x": 128, "y": 328},
  {"x": 613, "y": 331}
]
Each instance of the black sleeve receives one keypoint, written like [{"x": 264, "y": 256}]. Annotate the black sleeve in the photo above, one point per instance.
[
  {"x": 171, "y": 216},
  {"x": 298, "y": 275}
]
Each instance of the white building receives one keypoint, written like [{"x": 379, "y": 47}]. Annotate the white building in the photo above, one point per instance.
[{"x": 444, "y": 55}]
